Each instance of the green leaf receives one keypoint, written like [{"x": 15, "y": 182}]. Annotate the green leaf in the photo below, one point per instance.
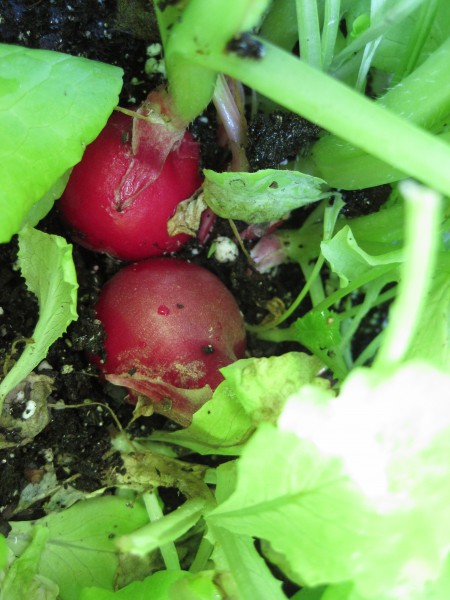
[
  {"x": 3, "y": 551},
  {"x": 395, "y": 42},
  {"x": 432, "y": 339},
  {"x": 246, "y": 397},
  {"x": 309, "y": 594},
  {"x": 266, "y": 195},
  {"x": 163, "y": 585},
  {"x": 318, "y": 330},
  {"x": 353, "y": 488},
  {"x": 349, "y": 261},
  {"x": 220, "y": 426},
  {"x": 51, "y": 106},
  {"x": 236, "y": 554},
  {"x": 154, "y": 587},
  {"x": 388, "y": 14},
  {"x": 47, "y": 266},
  {"x": 263, "y": 385},
  {"x": 440, "y": 590},
  {"x": 81, "y": 546},
  {"x": 201, "y": 586},
  {"x": 22, "y": 579}
]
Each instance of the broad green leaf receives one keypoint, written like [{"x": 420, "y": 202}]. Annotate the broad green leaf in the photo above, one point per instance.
[
  {"x": 388, "y": 14},
  {"x": 432, "y": 339},
  {"x": 432, "y": 590},
  {"x": 154, "y": 587},
  {"x": 43, "y": 207},
  {"x": 81, "y": 547},
  {"x": 236, "y": 554},
  {"x": 440, "y": 590},
  {"x": 287, "y": 494},
  {"x": 22, "y": 579},
  {"x": 353, "y": 488},
  {"x": 349, "y": 261},
  {"x": 3, "y": 551},
  {"x": 266, "y": 195},
  {"x": 220, "y": 426},
  {"x": 395, "y": 42},
  {"x": 343, "y": 591},
  {"x": 47, "y": 266},
  {"x": 263, "y": 385},
  {"x": 309, "y": 594},
  {"x": 206, "y": 585},
  {"x": 244, "y": 399},
  {"x": 51, "y": 106}
]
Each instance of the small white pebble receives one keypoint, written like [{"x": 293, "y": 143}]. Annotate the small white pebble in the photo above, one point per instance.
[
  {"x": 48, "y": 455},
  {"x": 2, "y": 312},
  {"x": 154, "y": 49},
  {"x": 30, "y": 409},
  {"x": 44, "y": 366},
  {"x": 66, "y": 369},
  {"x": 152, "y": 65},
  {"x": 20, "y": 395},
  {"x": 225, "y": 250}
]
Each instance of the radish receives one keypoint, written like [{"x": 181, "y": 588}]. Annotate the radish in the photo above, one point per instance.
[
  {"x": 169, "y": 327},
  {"x": 127, "y": 186}
]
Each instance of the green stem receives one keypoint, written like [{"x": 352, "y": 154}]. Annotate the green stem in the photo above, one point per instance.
[
  {"x": 203, "y": 555},
  {"x": 316, "y": 291},
  {"x": 371, "y": 127},
  {"x": 204, "y": 28},
  {"x": 313, "y": 281},
  {"x": 356, "y": 283},
  {"x": 422, "y": 98},
  {"x": 421, "y": 246},
  {"x": 293, "y": 307},
  {"x": 168, "y": 551},
  {"x": 309, "y": 32},
  {"x": 329, "y": 31},
  {"x": 369, "y": 351},
  {"x": 382, "y": 298}
]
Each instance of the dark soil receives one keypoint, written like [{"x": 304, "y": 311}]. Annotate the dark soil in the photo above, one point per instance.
[{"x": 76, "y": 443}]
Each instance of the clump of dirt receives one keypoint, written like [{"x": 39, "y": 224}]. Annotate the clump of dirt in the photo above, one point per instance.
[{"x": 276, "y": 137}]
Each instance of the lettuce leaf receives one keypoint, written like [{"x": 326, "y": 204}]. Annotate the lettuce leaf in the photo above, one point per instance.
[
  {"x": 51, "y": 106},
  {"x": 80, "y": 550},
  {"x": 354, "y": 488},
  {"x": 47, "y": 266},
  {"x": 266, "y": 195}
]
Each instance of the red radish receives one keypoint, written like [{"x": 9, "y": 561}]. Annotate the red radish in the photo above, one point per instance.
[
  {"x": 121, "y": 195},
  {"x": 170, "y": 326}
]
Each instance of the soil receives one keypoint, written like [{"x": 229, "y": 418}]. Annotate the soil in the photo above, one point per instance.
[{"x": 76, "y": 444}]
